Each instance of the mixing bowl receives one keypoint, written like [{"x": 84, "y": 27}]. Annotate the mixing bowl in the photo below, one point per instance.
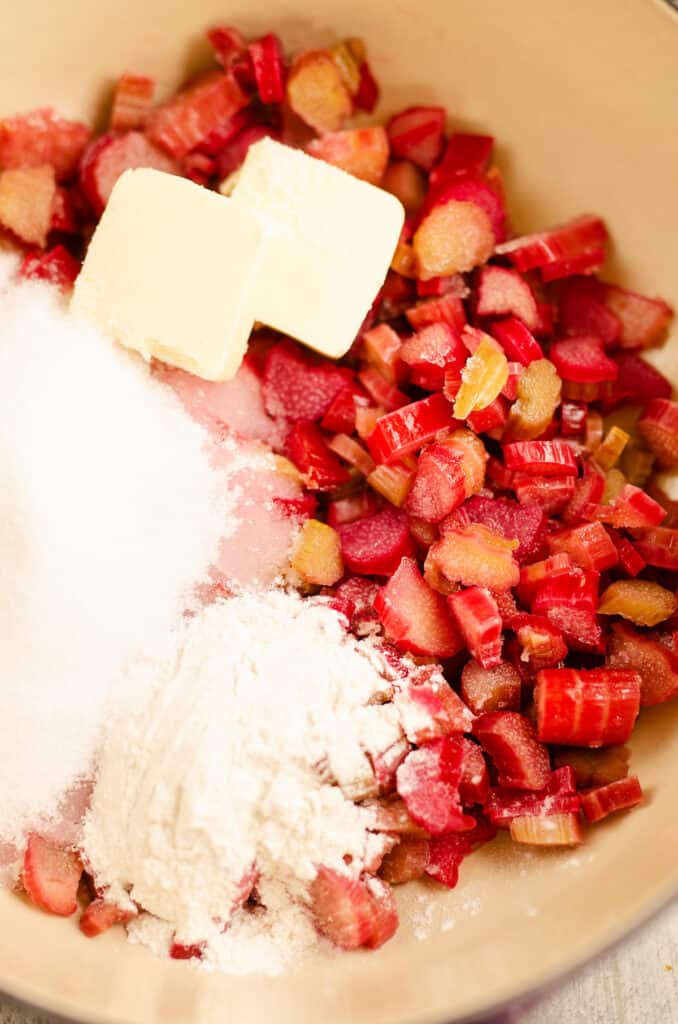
[{"x": 582, "y": 97}]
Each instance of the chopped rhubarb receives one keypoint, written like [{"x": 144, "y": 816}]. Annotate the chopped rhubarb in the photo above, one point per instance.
[
  {"x": 26, "y": 202},
  {"x": 516, "y": 340},
  {"x": 355, "y": 598},
  {"x": 631, "y": 509},
  {"x": 227, "y": 43},
  {"x": 416, "y": 134},
  {"x": 110, "y": 156},
  {"x": 608, "y": 452},
  {"x": 340, "y": 416},
  {"x": 569, "y": 602},
  {"x": 367, "y": 95},
  {"x": 659, "y": 429},
  {"x": 352, "y": 451},
  {"x": 481, "y": 193},
  {"x": 588, "y": 708},
  {"x": 55, "y": 266},
  {"x": 428, "y": 782},
  {"x": 362, "y": 152},
  {"x": 588, "y": 489},
  {"x": 522, "y": 762},
  {"x": 541, "y": 458},
  {"x": 594, "y": 767},
  {"x": 542, "y": 643},
  {"x": 349, "y": 912},
  {"x": 637, "y": 380},
  {"x": 439, "y": 484},
  {"x": 430, "y": 352},
  {"x": 466, "y": 156},
  {"x": 407, "y": 182},
  {"x": 524, "y": 523},
  {"x": 376, "y": 544},
  {"x": 453, "y": 237},
  {"x": 405, "y": 862},
  {"x": 409, "y": 428},
  {"x": 581, "y": 361},
  {"x": 448, "y": 309},
  {"x": 503, "y": 292},
  {"x": 532, "y": 575},
  {"x": 658, "y": 546},
  {"x": 655, "y": 662},
  {"x": 616, "y": 796},
  {"x": 473, "y": 456},
  {"x": 184, "y": 121},
  {"x": 268, "y": 64},
  {"x": 381, "y": 391},
  {"x": 429, "y": 709},
  {"x": 348, "y": 55},
  {"x": 491, "y": 420},
  {"x": 51, "y": 875},
  {"x": 307, "y": 449},
  {"x": 483, "y": 378},
  {"x": 475, "y": 555},
  {"x": 414, "y": 616},
  {"x": 42, "y": 137},
  {"x": 581, "y": 310},
  {"x": 480, "y": 624},
  {"x": 552, "y": 493},
  {"x": 392, "y": 482},
  {"x": 296, "y": 389},
  {"x": 132, "y": 101},
  {"x": 630, "y": 559},
  {"x": 475, "y": 779},
  {"x": 317, "y": 554},
  {"x": 537, "y": 398},
  {"x": 316, "y": 92},
  {"x": 557, "y": 797},
  {"x": 381, "y": 347},
  {"x": 588, "y": 546},
  {"x": 549, "y": 830},
  {"x": 572, "y": 418},
  {"x": 490, "y": 689},
  {"x": 643, "y": 321},
  {"x": 101, "y": 915},
  {"x": 557, "y": 252}
]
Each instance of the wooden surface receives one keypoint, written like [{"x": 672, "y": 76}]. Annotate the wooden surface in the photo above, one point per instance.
[{"x": 636, "y": 984}]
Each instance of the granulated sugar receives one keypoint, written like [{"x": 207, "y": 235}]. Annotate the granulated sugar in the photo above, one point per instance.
[
  {"x": 111, "y": 511},
  {"x": 229, "y": 762}
]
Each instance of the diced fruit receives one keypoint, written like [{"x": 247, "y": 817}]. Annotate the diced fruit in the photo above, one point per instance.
[
  {"x": 581, "y": 310},
  {"x": 110, "y": 156},
  {"x": 588, "y": 489},
  {"x": 405, "y": 862},
  {"x": 268, "y": 65},
  {"x": 480, "y": 623},
  {"x": 409, "y": 428},
  {"x": 483, "y": 378},
  {"x": 588, "y": 708},
  {"x": 376, "y": 544},
  {"x": 594, "y": 767},
  {"x": 659, "y": 428},
  {"x": 558, "y": 252},
  {"x": 483, "y": 193},
  {"x": 316, "y": 92},
  {"x": 643, "y": 321},
  {"x": 227, "y": 43},
  {"x": 616, "y": 796},
  {"x": 466, "y": 156},
  {"x": 56, "y": 266},
  {"x": 447, "y": 309},
  {"x": 184, "y": 121},
  {"x": 541, "y": 458},
  {"x": 473, "y": 458},
  {"x": 537, "y": 398},
  {"x": 524, "y": 523},
  {"x": 132, "y": 101},
  {"x": 658, "y": 546},
  {"x": 414, "y": 616},
  {"x": 641, "y": 601},
  {"x": 429, "y": 709},
  {"x": 585, "y": 368},
  {"x": 341, "y": 412},
  {"x": 475, "y": 780},
  {"x": 406, "y": 181},
  {"x": 608, "y": 452},
  {"x": 430, "y": 353},
  {"x": 589, "y": 546},
  {"x": 348, "y": 55},
  {"x": 349, "y": 912},
  {"x": 381, "y": 348},
  {"x": 439, "y": 485},
  {"x": 296, "y": 389},
  {"x": 352, "y": 451},
  {"x": 392, "y": 482},
  {"x": 475, "y": 555},
  {"x": 532, "y": 575},
  {"x": 557, "y": 797},
  {"x": 26, "y": 202},
  {"x": 552, "y": 493},
  {"x": 367, "y": 95},
  {"x": 307, "y": 449},
  {"x": 100, "y": 915},
  {"x": 428, "y": 781},
  {"x": 42, "y": 137},
  {"x": 551, "y": 830},
  {"x": 382, "y": 392},
  {"x": 182, "y": 951},
  {"x": 362, "y": 152},
  {"x": 638, "y": 380},
  {"x": 516, "y": 340},
  {"x": 630, "y": 560},
  {"x": 510, "y": 739},
  {"x": 542, "y": 643},
  {"x": 355, "y": 597},
  {"x": 416, "y": 134},
  {"x": 453, "y": 238},
  {"x": 569, "y": 601},
  {"x": 317, "y": 554},
  {"x": 51, "y": 875},
  {"x": 503, "y": 292},
  {"x": 490, "y": 689},
  {"x": 643, "y": 653}
]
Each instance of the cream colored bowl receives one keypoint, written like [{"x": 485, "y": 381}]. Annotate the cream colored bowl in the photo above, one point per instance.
[{"x": 584, "y": 99}]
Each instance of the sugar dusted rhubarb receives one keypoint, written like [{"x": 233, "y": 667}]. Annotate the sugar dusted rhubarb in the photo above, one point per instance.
[
  {"x": 42, "y": 137},
  {"x": 295, "y": 389},
  {"x": 598, "y": 803},
  {"x": 409, "y": 428},
  {"x": 588, "y": 546},
  {"x": 376, "y": 544},
  {"x": 476, "y": 556},
  {"x": 522, "y": 762},
  {"x": 490, "y": 689},
  {"x": 101, "y": 915},
  {"x": 541, "y": 641},
  {"x": 362, "y": 152},
  {"x": 416, "y": 134},
  {"x": 51, "y": 875},
  {"x": 428, "y": 782},
  {"x": 655, "y": 663},
  {"x": 557, "y": 797},
  {"x": 26, "y": 202},
  {"x": 307, "y": 449},
  {"x": 56, "y": 266},
  {"x": 439, "y": 485},
  {"x": 432, "y": 351},
  {"x": 346, "y": 911},
  {"x": 453, "y": 238},
  {"x": 113, "y": 154},
  {"x": 316, "y": 91},
  {"x": 588, "y": 708},
  {"x": 317, "y": 554},
  {"x": 414, "y": 616}
]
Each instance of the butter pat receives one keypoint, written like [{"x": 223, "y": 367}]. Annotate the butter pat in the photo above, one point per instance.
[
  {"x": 172, "y": 272},
  {"x": 329, "y": 241}
]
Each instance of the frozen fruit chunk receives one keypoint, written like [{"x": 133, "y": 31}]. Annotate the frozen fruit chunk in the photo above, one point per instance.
[
  {"x": 316, "y": 92},
  {"x": 26, "y": 202},
  {"x": 588, "y": 708},
  {"x": 375, "y": 544},
  {"x": 101, "y": 915},
  {"x": 182, "y": 122},
  {"x": 439, "y": 484},
  {"x": 414, "y": 616},
  {"x": 453, "y": 238},
  {"x": 656, "y": 664},
  {"x": 510, "y": 739},
  {"x": 641, "y": 601},
  {"x": 43, "y": 137},
  {"x": 51, "y": 875},
  {"x": 428, "y": 782},
  {"x": 598, "y": 803},
  {"x": 362, "y": 152},
  {"x": 476, "y": 556},
  {"x": 317, "y": 554}
]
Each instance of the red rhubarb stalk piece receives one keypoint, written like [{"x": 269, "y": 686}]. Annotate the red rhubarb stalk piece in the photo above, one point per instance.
[
  {"x": 480, "y": 623},
  {"x": 227, "y": 43},
  {"x": 51, "y": 875},
  {"x": 268, "y": 64},
  {"x": 587, "y": 708},
  {"x": 559, "y": 796},
  {"x": 186, "y": 119},
  {"x": 355, "y": 506},
  {"x": 414, "y": 616},
  {"x": 428, "y": 782},
  {"x": 480, "y": 194},
  {"x": 659, "y": 428},
  {"x": 490, "y": 689},
  {"x": 616, "y": 796},
  {"x": 582, "y": 360},
  {"x": 367, "y": 95},
  {"x": 42, "y": 137},
  {"x": 637, "y": 380},
  {"x": 307, "y": 449},
  {"x": 550, "y": 493},
  {"x": 516, "y": 340},
  {"x": 351, "y": 912},
  {"x": 101, "y": 915},
  {"x": 503, "y": 292},
  {"x": 465, "y": 156},
  {"x": 643, "y": 321},
  {"x": 110, "y": 156},
  {"x": 375, "y": 544},
  {"x": 541, "y": 458},
  {"x": 447, "y": 309},
  {"x": 581, "y": 310},
  {"x": 430, "y": 352},
  {"x": 429, "y": 708},
  {"x": 409, "y": 428},
  {"x": 475, "y": 555},
  {"x": 132, "y": 101},
  {"x": 589, "y": 546},
  {"x": 446, "y": 853},
  {"x": 296, "y": 389},
  {"x": 416, "y": 134},
  {"x": 510, "y": 739},
  {"x": 56, "y": 266},
  {"x": 439, "y": 485},
  {"x": 658, "y": 546},
  {"x": 560, "y": 248},
  {"x": 405, "y": 862},
  {"x": 524, "y": 523},
  {"x": 655, "y": 662},
  {"x": 541, "y": 641}
]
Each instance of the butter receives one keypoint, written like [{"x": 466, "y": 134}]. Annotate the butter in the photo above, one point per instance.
[
  {"x": 172, "y": 271},
  {"x": 329, "y": 240}
]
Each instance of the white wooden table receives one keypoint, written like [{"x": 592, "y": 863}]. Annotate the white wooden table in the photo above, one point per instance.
[{"x": 635, "y": 984}]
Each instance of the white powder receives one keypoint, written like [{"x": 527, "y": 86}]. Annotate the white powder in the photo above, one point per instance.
[
  {"x": 110, "y": 512},
  {"x": 227, "y": 762}
]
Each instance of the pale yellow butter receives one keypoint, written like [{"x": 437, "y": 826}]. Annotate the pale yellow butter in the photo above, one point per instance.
[
  {"x": 329, "y": 241},
  {"x": 172, "y": 271}
]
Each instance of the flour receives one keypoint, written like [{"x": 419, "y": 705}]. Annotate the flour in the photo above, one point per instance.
[{"x": 228, "y": 762}]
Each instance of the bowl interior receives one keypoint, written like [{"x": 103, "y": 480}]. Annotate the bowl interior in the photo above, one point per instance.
[{"x": 582, "y": 99}]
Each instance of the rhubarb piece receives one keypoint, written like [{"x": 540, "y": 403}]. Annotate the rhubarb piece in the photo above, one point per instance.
[
  {"x": 637, "y": 465},
  {"x": 414, "y": 616},
  {"x": 510, "y": 739},
  {"x": 559, "y": 796},
  {"x": 392, "y": 482},
  {"x": 232, "y": 147},
  {"x": 588, "y": 489},
  {"x": 589, "y": 546},
  {"x": 643, "y": 321},
  {"x": 475, "y": 555},
  {"x": 439, "y": 484},
  {"x": 348, "y": 55},
  {"x": 409, "y": 428},
  {"x": 491, "y": 420},
  {"x": 430, "y": 352},
  {"x": 490, "y": 689},
  {"x": 382, "y": 348},
  {"x": 656, "y": 663},
  {"x": 227, "y": 43},
  {"x": 42, "y": 137},
  {"x": 475, "y": 779},
  {"x": 569, "y": 602},
  {"x": 616, "y": 796},
  {"x": 405, "y": 862},
  {"x": 659, "y": 429},
  {"x": 350, "y": 912},
  {"x": 317, "y": 554},
  {"x": 406, "y": 182},
  {"x": 608, "y": 452},
  {"x": 572, "y": 418},
  {"x": 100, "y": 915},
  {"x": 516, "y": 340},
  {"x": 538, "y": 397},
  {"x": 532, "y": 575},
  {"x": 447, "y": 852},
  {"x": 352, "y": 452},
  {"x": 362, "y": 152},
  {"x": 268, "y": 65},
  {"x": 551, "y": 830},
  {"x": 583, "y": 365},
  {"x": 366, "y": 420},
  {"x": 340, "y": 416},
  {"x": 631, "y": 509},
  {"x": 184, "y": 951},
  {"x": 658, "y": 546},
  {"x": 26, "y": 202},
  {"x": 524, "y": 523},
  {"x": 483, "y": 378},
  {"x": 541, "y": 458},
  {"x": 594, "y": 767},
  {"x": 447, "y": 309},
  {"x": 376, "y": 544},
  {"x": 453, "y": 237},
  {"x": 483, "y": 193},
  {"x": 393, "y": 816},
  {"x": 296, "y": 389},
  {"x": 382, "y": 392},
  {"x": 110, "y": 156},
  {"x": 466, "y": 156},
  {"x": 581, "y": 310},
  {"x": 503, "y": 292},
  {"x": 132, "y": 101},
  {"x": 428, "y": 782},
  {"x": 367, "y": 95},
  {"x": 480, "y": 623},
  {"x": 551, "y": 493},
  {"x": 429, "y": 709},
  {"x": 307, "y": 449},
  {"x": 55, "y": 266},
  {"x": 187, "y": 118},
  {"x": 416, "y": 134},
  {"x": 541, "y": 642},
  {"x": 637, "y": 380},
  {"x": 473, "y": 456},
  {"x": 316, "y": 92},
  {"x": 355, "y": 598},
  {"x": 51, "y": 875},
  {"x": 570, "y": 248},
  {"x": 588, "y": 708},
  {"x": 630, "y": 560}
]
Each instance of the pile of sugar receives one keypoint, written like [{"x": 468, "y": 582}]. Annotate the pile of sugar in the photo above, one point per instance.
[
  {"x": 111, "y": 511},
  {"x": 230, "y": 760}
]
